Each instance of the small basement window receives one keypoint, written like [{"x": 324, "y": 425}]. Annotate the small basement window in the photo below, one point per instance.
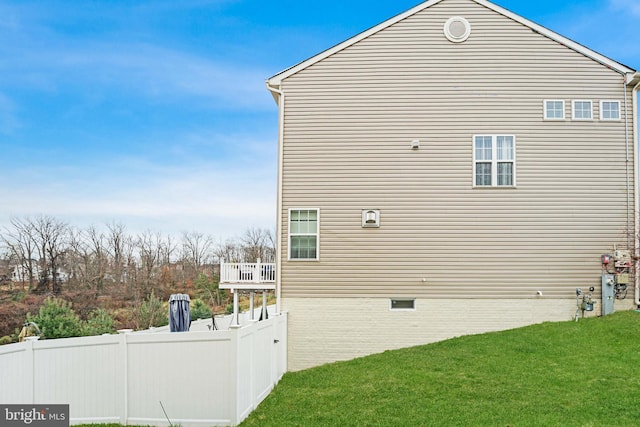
[{"x": 402, "y": 304}]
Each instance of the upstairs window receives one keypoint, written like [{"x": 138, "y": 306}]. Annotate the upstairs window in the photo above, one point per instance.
[
  {"x": 582, "y": 110},
  {"x": 554, "y": 109},
  {"x": 494, "y": 161},
  {"x": 609, "y": 110},
  {"x": 303, "y": 234}
]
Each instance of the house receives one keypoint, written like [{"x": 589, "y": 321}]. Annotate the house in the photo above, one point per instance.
[
  {"x": 454, "y": 170},
  {"x": 20, "y": 273}
]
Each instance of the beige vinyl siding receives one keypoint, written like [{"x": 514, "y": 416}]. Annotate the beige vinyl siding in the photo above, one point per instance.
[{"x": 348, "y": 125}]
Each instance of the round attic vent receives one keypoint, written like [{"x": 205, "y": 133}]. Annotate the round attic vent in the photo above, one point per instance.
[{"x": 457, "y": 29}]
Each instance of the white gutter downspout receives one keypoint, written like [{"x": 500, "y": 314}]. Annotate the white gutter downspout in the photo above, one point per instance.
[
  {"x": 636, "y": 172},
  {"x": 626, "y": 159},
  {"x": 280, "y": 94}
]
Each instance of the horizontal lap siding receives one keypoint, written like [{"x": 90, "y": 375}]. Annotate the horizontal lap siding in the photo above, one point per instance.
[{"x": 349, "y": 122}]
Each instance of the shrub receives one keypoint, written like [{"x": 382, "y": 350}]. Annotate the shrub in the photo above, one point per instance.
[
  {"x": 152, "y": 313},
  {"x": 18, "y": 296},
  {"x": 100, "y": 322},
  {"x": 199, "y": 309},
  {"x": 208, "y": 288},
  {"x": 56, "y": 319},
  {"x": 5, "y": 340}
]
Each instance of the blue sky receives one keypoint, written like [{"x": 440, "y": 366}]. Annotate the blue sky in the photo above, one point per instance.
[{"x": 155, "y": 114}]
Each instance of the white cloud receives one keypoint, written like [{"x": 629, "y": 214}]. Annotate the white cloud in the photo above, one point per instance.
[
  {"x": 40, "y": 53},
  {"x": 627, "y": 6},
  {"x": 146, "y": 70},
  {"x": 180, "y": 198},
  {"x": 193, "y": 185}
]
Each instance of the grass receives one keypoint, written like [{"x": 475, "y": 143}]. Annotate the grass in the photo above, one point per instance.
[{"x": 584, "y": 373}]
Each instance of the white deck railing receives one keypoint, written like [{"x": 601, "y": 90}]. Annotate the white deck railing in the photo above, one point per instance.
[{"x": 247, "y": 272}]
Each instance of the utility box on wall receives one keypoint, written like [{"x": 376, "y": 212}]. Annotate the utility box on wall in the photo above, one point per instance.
[
  {"x": 608, "y": 282},
  {"x": 370, "y": 218}
]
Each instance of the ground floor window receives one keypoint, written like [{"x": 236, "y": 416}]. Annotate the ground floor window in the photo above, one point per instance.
[{"x": 303, "y": 234}]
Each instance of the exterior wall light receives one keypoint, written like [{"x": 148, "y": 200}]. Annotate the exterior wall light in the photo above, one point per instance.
[{"x": 371, "y": 218}]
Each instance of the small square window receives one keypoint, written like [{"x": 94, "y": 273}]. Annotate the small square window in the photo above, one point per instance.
[
  {"x": 582, "y": 110},
  {"x": 609, "y": 110},
  {"x": 554, "y": 109}
]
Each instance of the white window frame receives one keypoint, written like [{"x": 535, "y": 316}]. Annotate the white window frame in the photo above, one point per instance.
[
  {"x": 494, "y": 161},
  {"x": 316, "y": 234},
  {"x": 573, "y": 109},
  {"x": 602, "y": 110},
  {"x": 546, "y": 110},
  {"x": 412, "y": 308}
]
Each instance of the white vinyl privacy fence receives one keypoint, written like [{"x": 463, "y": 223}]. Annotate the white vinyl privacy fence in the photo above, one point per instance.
[{"x": 200, "y": 378}]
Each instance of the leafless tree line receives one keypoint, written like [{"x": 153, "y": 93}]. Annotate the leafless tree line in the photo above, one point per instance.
[{"x": 49, "y": 254}]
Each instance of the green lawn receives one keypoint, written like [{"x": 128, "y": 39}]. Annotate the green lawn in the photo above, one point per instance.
[{"x": 584, "y": 373}]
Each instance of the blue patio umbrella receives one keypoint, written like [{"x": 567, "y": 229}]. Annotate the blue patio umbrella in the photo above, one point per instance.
[{"x": 179, "y": 314}]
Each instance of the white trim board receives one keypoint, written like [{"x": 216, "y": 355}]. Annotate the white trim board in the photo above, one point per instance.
[{"x": 276, "y": 80}]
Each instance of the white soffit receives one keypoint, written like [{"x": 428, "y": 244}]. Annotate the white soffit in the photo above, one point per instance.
[{"x": 616, "y": 66}]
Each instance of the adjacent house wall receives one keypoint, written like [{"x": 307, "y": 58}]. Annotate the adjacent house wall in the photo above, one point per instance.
[{"x": 348, "y": 125}]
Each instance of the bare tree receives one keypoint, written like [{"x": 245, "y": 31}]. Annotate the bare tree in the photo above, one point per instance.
[
  {"x": 88, "y": 259},
  {"x": 196, "y": 249},
  {"x": 138, "y": 265},
  {"x": 119, "y": 249},
  {"x": 6, "y": 260},
  {"x": 52, "y": 239},
  {"x": 78, "y": 260},
  {"x": 229, "y": 251},
  {"x": 167, "y": 247},
  {"x": 258, "y": 243},
  {"x": 21, "y": 243},
  {"x": 97, "y": 239},
  {"x": 152, "y": 250}
]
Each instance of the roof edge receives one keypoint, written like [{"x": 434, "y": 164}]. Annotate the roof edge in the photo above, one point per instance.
[
  {"x": 633, "y": 78},
  {"x": 276, "y": 79},
  {"x": 582, "y": 49},
  {"x": 589, "y": 53}
]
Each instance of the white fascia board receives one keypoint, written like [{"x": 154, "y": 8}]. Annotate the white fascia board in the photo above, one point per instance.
[
  {"x": 633, "y": 78},
  {"x": 616, "y": 66},
  {"x": 275, "y": 80}
]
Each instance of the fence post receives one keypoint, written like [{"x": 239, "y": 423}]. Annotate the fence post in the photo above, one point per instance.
[
  {"x": 251, "y": 307},
  {"x": 234, "y": 376},
  {"x": 30, "y": 368},
  {"x": 124, "y": 366},
  {"x": 258, "y": 272},
  {"x": 264, "y": 305},
  {"x": 236, "y": 310}
]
